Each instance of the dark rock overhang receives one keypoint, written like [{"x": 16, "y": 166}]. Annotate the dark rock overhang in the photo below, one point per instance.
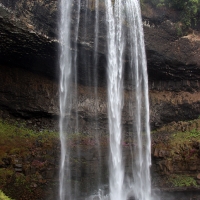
[
  {"x": 22, "y": 47},
  {"x": 169, "y": 57}
]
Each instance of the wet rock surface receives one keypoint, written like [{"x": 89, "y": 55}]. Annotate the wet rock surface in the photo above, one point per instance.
[
  {"x": 36, "y": 164},
  {"x": 35, "y": 98},
  {"x": 29, "y": 32},
  {"x": 22, "y": 46},
  {"x": 29, "y": 87},
  {"x": 175, "y": 156},
  {"x": 29, "y": 40}
]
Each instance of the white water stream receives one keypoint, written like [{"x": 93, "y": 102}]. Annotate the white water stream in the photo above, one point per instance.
[
  {"x": 125, "y": 42},
  {"x": 65, "y": 79},
  {"x": 118, "y": 14},
  {"x": 115, "y": 96}
]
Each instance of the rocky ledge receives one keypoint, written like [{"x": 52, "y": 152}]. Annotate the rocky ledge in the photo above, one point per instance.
[
  {"x": 29, "y": 161},
  {"x": 22, "y": 46},
  {"x": 29, "y": 38},
  {"x": 29, "y": 90},
  {"x": 29, "y": 43}
]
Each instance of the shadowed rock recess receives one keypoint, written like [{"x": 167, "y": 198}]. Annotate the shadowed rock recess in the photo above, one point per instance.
[
  {"x": 29, "y": 41},
  {"x": 30, "y": 69}
]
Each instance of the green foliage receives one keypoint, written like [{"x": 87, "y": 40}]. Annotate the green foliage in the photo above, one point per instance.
[
  {"x": 157, "y": 3},
  {"x": 3, "y": 196},
  {"x": 16, "y": 139},
  {"x": 188, "y": 8},
  {"x": 5, "y": 176},
  {"x": 182, "y": 181},
  {"x": 20, "y": 130},
  {"x": 179, "y": 30},
  {"x": 194, "y": 134},
  {"x": 185, "y": 137},
  {"x": 20, "y": 180}
]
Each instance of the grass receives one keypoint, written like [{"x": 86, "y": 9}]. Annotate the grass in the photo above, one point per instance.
[
  {"x": 36, "y": 151},
  {"x": 6, "y": 175},
  {"x": 179, "y": 146},
  {"x": 20, "y": 140},
  {"x": 18, "y": 143},
  {"x": 182, "y": 181},
  {"x": 185, "y": 137},
  {"x": 12, "y": 130},
  {"x": 3, "y": 196}
]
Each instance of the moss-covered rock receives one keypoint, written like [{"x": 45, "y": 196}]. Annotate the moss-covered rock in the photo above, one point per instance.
[
  {"x": 176, "y": 154},
  {"x": 3, "y": 196},
  {"x": 27, "y": 158}
]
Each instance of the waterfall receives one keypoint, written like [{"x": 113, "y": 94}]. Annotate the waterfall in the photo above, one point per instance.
[
  {"x": 126, "y": 73},
  {"x": 65, "y": 77},
  {"x": 115, "y": 101},
  {"x": 118, "y": 14}
]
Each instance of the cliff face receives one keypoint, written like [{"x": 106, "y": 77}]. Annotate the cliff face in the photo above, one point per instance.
[
  {"x": 30, "y": 70},
  {"x": 163, "y": 41},
  {"x": 23, "y": 46},
  {"x": 28, "y": 38}
]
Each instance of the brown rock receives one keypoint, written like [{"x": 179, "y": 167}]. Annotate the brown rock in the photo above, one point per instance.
[
  {"x": 162, "y": 153},
  {"x": 156, "y": 152},
  {"x": 198, "y": 176}
]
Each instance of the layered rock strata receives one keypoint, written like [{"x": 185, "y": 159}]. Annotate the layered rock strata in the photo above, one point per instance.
[
  {"x": 29, "y": 41},
  {"x": 30, "y": 71}
]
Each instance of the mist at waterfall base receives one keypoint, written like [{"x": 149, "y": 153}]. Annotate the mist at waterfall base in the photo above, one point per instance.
[{"x": 125, "y": 58}]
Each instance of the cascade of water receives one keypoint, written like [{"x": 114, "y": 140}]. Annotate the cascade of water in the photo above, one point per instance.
[
  {"x": 124, "y": 42},
  {"x": 75, "y": 89},
  {"x": 118, "y": 14},
  {"x": 65, "y": 76},
  {"x": 70, "y": 189},
  {"x": 142, "y": 183},
  {"x": 115, "y": 102},
  {"x": 74, "y": 64}
]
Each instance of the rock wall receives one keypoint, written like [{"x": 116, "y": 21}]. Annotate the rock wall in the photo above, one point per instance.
[
  {"x": 29, "y": 73},
  {"x": 29, "y": 35},
  {"x": 28, "y": 95},
  {"x": 176, "y": 154},
  {"x": 29, "y": 168}
]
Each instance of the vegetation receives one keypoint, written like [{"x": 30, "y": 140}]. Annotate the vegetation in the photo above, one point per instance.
[
  {"x": 16, "y": 139},
  {"x": 3, "y": 196},
  {"x": 177, "y": 144},
  {"x": 189, "y": 9},
  {"x": 6, "y": 175},
  {"x": 18, "y": 143},
  {"x": 186, "y": 137},
  {"x": 182, "y": 181}
]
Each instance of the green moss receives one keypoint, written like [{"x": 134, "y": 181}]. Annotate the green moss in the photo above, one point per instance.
[
  {"x": 20, "y": 180},
  {"x": 18, "y": 143},
  {"x": 185, "y": 137},
  {"x": 3, "y": 196},
  {"x": 194, "y": 134},
  {"x": 11, "y": 130},
  {"x": 19, "y": 140},
  {"x": 178, "y": 145},
  {"x": 182, "y": 181},
  {"x": 5, "y": 176}
]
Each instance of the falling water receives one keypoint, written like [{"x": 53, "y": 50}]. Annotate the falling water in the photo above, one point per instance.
[
  {"x": 69, "y": 55},
  {"x": 141, "y": 172},
  {"x": 65, "y": 68},
  {"x": 125, "y": 55},
  {"x": 115, "y": 101},
  {"x": 124, "y": 21}
]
